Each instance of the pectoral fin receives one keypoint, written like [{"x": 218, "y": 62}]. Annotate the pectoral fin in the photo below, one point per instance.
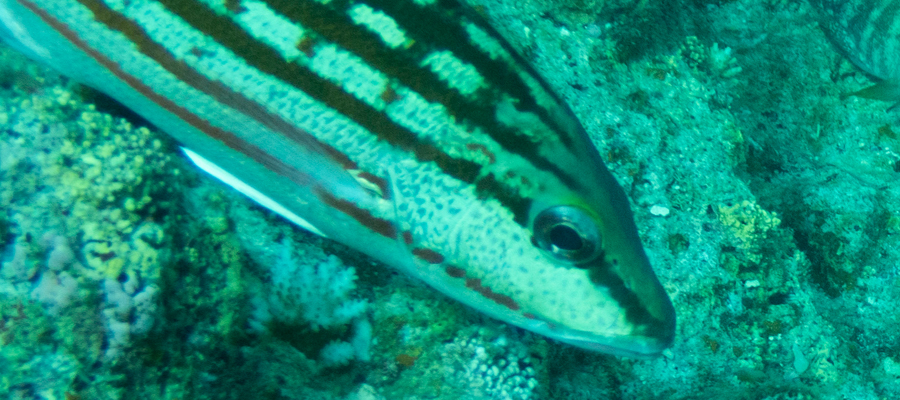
[
  {"x": 886, "y": 90},
  {"x": 249, "y": 191}
]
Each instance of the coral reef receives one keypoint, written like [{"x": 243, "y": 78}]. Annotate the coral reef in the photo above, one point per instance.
[{"x": 314, "y": 294}]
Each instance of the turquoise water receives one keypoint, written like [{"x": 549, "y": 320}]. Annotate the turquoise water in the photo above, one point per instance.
[{"x": 766, "y": 201}]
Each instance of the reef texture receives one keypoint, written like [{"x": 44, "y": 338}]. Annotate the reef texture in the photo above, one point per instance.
[{"x": 767, "y": 202}]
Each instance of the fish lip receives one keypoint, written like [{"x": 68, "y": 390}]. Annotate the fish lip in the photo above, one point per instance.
[
  {"x": 633, "y": 347},
  {"x": 651, "y": 342}
]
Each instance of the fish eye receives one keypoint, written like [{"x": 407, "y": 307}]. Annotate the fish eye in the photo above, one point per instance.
[{"x": 567, "y": 233}]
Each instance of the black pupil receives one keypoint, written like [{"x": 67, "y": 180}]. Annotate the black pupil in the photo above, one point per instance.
[{"x": 565, "y": 238}]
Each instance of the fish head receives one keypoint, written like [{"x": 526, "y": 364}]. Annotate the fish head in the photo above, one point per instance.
[
  {"x": 560, "y": 257},
  {"x": 609, "y": 299}
]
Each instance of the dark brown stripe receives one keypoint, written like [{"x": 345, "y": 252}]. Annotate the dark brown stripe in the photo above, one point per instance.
[
  {"x": 373, "y": 120},
  {"x": 489, "y": 187},
  {"x": 214, "y": 89},
  {"x": 380, "y": 226},
  {"x": 483, "y": 150},
  {"x": 475, "y": 284},
  {"x": 440, "y": 26},
  {"x": 499, "y": 298},
  {"x": 455, "y": 272},
  {"x": 224, "y": 31},
  {"x": 332, "y": 22},
  {"x": 225, "y": 137},
  {"x": 428, "y": 255},
  {"x": 407, "y": 237}
]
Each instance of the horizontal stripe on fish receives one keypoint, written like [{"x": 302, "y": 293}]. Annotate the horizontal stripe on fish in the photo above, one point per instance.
[
  {"x": 425, "y": 46},
  {"x": 227, "y": 138},
  {"x": 381, "y": 226},
  {"x": 424, "y": 31},
  {"x": 215, "y": 89},
  {"x": 430, "y": 84},
  {"x": 439, "y": 127},
  {"x": 442, "y": 24},
  {"x": 488, "y": 186}
]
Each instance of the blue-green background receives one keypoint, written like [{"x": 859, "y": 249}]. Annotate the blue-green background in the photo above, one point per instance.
[{"x": 768, "y": 204}]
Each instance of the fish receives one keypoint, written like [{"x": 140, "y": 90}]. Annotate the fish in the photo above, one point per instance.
[
  {"x": 408, "y": 130},
  {"x": 865, "y": 32}
]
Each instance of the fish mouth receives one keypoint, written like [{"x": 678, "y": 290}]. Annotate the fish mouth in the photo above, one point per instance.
[
  {"x": 647, "y": 339},
  {"x": 639, "y": 347}
]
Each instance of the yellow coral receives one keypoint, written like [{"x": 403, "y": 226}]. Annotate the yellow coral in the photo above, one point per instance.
[
  {"x": 747, "y": 221},
  {"x": 110, "y": 252}
]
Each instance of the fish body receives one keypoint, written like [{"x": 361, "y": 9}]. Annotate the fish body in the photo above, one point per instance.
[
  {"x": 408, "y": 130},
  {"x": 867, "y": 32}
]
